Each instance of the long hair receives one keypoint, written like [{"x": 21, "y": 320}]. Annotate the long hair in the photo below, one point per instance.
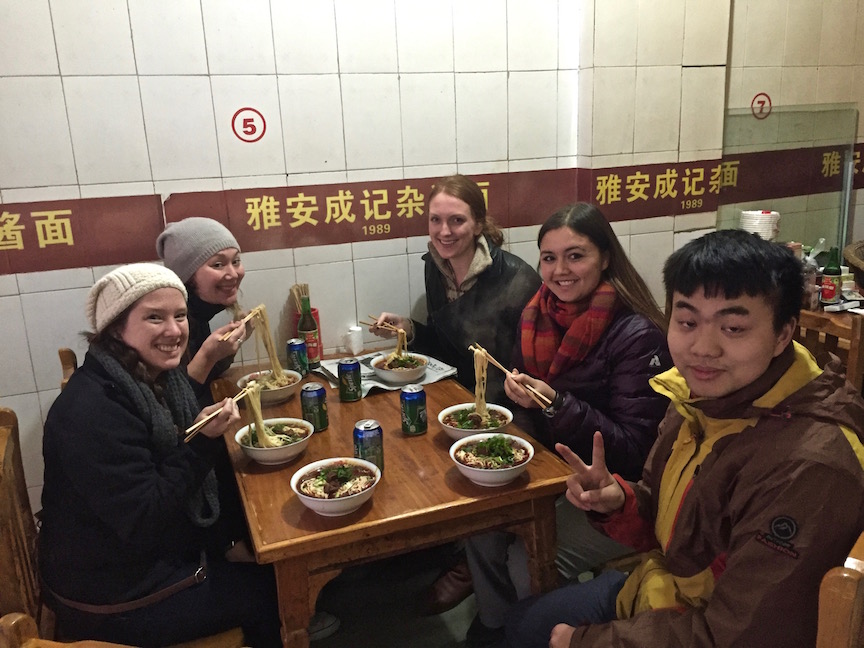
[
  {"x": 589, "y": 221},
  {"x": 466, "y": 190}
]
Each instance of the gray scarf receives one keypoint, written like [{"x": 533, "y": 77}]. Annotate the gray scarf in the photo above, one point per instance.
[{"x": 202, "y": 506}]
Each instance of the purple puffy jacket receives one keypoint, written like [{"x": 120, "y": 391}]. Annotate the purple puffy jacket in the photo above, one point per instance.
[{"x": 608, "y": 391}]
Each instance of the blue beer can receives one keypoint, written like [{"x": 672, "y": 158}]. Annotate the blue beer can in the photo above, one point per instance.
[
  {"x": 313, "y": 403},
  {"x": 350, "y": 388},
  {"x": 297, "y": 360},
  {"x": 413, "y": 402},
  {"x": 369, "y": 442}
]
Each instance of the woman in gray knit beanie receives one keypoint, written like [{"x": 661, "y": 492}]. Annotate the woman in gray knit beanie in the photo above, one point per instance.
[
  {"x": 206, "y": 257},
  {"x": 129, "y": 509}
]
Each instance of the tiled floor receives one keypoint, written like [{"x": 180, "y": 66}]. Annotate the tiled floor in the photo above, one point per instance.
[{"x": 377, "y": 605}]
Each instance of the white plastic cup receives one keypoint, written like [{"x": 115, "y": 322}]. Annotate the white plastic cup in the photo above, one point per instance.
[{"x": 354, "y": 340}]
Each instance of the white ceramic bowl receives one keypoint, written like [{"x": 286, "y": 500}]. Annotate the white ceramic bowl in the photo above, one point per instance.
[
  {"x": 341, "y": 505},
  {"x": 489, "y": 476},
  {"x": 456, "y": 433},
  {"x": 399, "y": 376},
  {"x": 275, "y": 456},
  {"x": 273, "y": 396}
]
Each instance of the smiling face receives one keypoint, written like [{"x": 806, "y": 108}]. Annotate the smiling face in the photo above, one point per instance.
[
  {"x": 453, "y": 229},
  {"x": 218, "y": 280},
  {"x": 157, "y": 328},
  {"x": 720, "y": 345},
  {"x": 570, "y": 264}
]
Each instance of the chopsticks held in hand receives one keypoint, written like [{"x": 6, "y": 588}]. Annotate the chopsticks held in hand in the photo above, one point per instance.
[
  {"x": 195, "y": 428},
  {"x": 384, "y": 325},
  {"x": 254, "y": 312},
  {"x": 537, "y": 397}
]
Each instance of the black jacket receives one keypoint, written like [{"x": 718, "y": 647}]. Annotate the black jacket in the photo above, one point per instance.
[
  {"x": 200, "y": 314},
  {"x": 114, "y": 526},
  {"x": 487, "y": 314}
]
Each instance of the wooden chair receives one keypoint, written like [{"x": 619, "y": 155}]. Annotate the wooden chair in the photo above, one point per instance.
[
  {"x": 837, "y": 333},
  {"x": 18, "y": 630},
  {"x": 841, "y": 603},
  {"x": 19, "y": 581},
  {"x": 19, "y": 587},
  {"x": 222, "y": 388},
  {"x": 68, "y": 362}
]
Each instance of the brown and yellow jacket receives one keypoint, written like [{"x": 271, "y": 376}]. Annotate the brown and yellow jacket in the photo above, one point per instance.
[{"x": 745, "y": 502}]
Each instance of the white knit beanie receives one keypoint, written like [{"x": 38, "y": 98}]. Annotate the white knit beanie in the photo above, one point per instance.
[
  {"x": 122, "y": 287},
  {"x": 186, "y": 245}
]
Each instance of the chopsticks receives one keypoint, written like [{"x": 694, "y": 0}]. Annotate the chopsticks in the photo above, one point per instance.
[
  {"x": 384, "y": 325},
  {"x": 195, "y": 428},
  {"x": 298, "y": 291},
  {"x": 254, "y": 312},
  {"x": 538, "y": 398}
]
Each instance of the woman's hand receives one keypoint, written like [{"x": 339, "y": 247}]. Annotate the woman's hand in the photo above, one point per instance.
[
  {"x": 219, "y": 424},
  {"x": 394, "y": 320},
  {"x": 215, "y": 348},
  {"x": 519, "y": 395},
  {"x": 561, "y": 636},
  {"x": 249, "y": 325},
  {"x": 592, "y": 488}
]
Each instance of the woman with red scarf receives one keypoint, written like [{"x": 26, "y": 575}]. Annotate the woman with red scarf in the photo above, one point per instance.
[{"x": 589, "y": 340}]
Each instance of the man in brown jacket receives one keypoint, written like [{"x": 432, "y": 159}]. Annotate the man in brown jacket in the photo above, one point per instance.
[{"x": 753, "y": 490}]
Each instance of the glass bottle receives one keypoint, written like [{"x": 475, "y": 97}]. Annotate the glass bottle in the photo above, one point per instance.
[
  {"x": 307, "y": 330},
  {"x": 831, "y": 282}
]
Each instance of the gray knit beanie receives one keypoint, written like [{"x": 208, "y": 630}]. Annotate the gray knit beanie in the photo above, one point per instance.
[
  {"x": 122, "y": 287},
  {"x": 186, "y": 245}
]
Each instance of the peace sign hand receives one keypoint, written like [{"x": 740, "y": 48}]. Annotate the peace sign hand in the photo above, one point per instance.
[{"x": 592, "y": 488}]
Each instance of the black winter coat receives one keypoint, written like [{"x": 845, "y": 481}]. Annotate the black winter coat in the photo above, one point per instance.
[
  {"x": 487, "y": 314},
  {"x": 608, "y": 391},
  {"x": 114, "y": 526},
  {"x": 200, "y": 314}
]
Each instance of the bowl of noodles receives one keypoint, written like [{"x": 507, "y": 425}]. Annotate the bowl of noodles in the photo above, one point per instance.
[
  {"x": 273, "y": 390},
  {"x": 405, "y": 368},
  {"x": 285, "y": 439},
  {"x": 338, "y": 486},
  {"x": 460, "y": 421},
  {"x": 491, "y": 458}
]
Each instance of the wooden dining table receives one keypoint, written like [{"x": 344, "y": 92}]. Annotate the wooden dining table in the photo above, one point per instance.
[{"x": 421, "y": 501}]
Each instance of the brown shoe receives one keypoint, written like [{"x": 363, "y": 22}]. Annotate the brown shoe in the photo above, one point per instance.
[{"x": 452, "y": 587}]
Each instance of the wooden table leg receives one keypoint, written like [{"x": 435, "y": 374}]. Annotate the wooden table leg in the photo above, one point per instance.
[
  {"x": 540, "y": 539},
  {"x": 292, "y": 585},
  {"x": 298, "y": 590}
]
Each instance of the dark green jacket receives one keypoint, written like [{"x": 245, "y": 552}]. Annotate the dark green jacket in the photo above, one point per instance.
[{"x": 487, "y": 314}]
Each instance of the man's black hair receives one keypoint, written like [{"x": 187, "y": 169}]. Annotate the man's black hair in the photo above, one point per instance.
[{"x": 731, "y": 263}]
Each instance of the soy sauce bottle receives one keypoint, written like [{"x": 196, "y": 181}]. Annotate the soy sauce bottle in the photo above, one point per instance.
[
  {"x": 307, "y": 330},
  {"x": 831, "y": 281}
]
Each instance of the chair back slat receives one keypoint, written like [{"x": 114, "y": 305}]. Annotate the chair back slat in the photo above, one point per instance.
[
  {"x": 20, "y": 590},
  {"x": 838, "y": 333},
  {"x": 68, "y": 364},
  {"x": 841, "y": 603}
]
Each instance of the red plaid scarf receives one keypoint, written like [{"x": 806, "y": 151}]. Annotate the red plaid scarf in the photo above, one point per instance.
[{"x": 556, "y": 335}]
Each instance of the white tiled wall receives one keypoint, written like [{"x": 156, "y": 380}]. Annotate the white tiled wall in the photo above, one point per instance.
[{"x": 124, "y": 97}]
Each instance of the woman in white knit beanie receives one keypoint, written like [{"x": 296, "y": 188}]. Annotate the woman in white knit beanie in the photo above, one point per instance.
[
  {"x": 206, "y": 257},
  {"x": 131, "y": 513}
]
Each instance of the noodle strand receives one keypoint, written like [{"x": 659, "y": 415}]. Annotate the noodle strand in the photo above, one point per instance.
[{"x": 481, "y": 365}]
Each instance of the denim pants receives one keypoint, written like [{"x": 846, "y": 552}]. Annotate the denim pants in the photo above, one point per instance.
[
  {"x": 531, "y": 620},
  {"x": 499, "y": 563}
]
